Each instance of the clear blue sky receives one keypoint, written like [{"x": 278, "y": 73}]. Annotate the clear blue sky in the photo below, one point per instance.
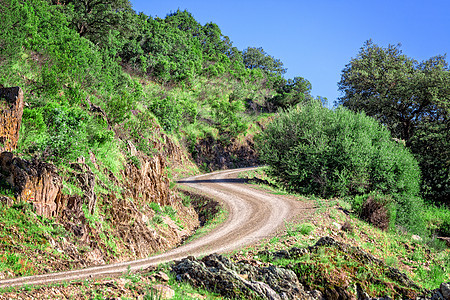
[{"x": 315, "y": 39}]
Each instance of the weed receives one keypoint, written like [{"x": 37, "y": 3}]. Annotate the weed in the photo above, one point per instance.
[
  {"x": 170, "y": 211},
  {"x": 155, "y": 207},
  {"x": 306, "y": 228},
  {"x": 135, "y": 161},
  {"x": 185, "y": 199}
]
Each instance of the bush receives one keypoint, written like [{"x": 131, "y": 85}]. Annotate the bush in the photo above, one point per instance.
[{"x": 314, "y": 150}]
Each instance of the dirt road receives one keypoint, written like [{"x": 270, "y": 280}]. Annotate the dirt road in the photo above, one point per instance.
[{"x": 253, "y": 215}]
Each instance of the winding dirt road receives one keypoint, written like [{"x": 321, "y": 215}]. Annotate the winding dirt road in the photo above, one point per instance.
[{"x": 253, "y": 215}]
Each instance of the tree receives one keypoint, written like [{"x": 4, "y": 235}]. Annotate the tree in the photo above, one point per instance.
[
  {"x": 94, "y": 19},
  {"x": 258, "y": 58},
  {"x": 293, "y": 92},
  {"x": 412, "y": 99}
]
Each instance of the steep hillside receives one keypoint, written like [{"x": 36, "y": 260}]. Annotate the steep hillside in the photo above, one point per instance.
[{"x": 112, "y": 106}]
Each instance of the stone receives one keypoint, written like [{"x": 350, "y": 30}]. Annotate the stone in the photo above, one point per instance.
[
  {"x": 416, "y": 238},
  {"x": 337, "y": 225},
  {"x": 11, "y": 110},
  {"x": 163, "y": 291},
  {"x": 34, "y": 181},
  {"x": 239, "y": 280},
  {"x": 148, "y": 182},
  {"x": 445, "y": 289},
  {"x": 437, "y": 295},
  {"x": 161, "y": 276}
]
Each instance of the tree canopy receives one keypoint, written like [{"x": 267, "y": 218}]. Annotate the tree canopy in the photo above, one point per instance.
[
  {"x": 293, "y": 92},
  {"x": 258, "y": 58},
  {"x": 412, "y": 99}
]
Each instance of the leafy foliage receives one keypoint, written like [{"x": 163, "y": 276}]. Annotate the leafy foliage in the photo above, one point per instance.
[
  {"x": 94, "y": 19},
  {"x": 412, "y": 99},
  {"x": 293, "y": 92},
  {"x": 258, "y": 58},
  {"x": 70, "y": 58},
  {"x": 314, "y": 150}
]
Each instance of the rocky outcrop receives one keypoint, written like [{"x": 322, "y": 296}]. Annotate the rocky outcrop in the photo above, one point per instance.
[
  {"x": 240, "y": 280},
  {"x": 11, "y": 110},
  {"x": 33, "y": 181},
  {"x": 112, "y": 217},
  {"x": 147, "y": 181},
  {"x": 442, "y": 293},
  {"x": 85, "y": 179}
]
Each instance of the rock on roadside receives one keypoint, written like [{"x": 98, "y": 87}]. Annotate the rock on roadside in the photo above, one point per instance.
[{"x": 217, "y": 273}]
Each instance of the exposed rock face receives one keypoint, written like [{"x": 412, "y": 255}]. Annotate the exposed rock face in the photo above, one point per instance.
[
  {"x": 147, "y": 182},
  {"x": 33, "y": 181},
  {"x": 11, "y": 110},
  {"x": 86, "y": 181},
  {"x": 218, "y": 273},
  {"x": 125, "y": 225}
]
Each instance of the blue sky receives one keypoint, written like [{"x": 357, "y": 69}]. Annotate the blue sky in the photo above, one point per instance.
[{"x": 316, "y": 39}]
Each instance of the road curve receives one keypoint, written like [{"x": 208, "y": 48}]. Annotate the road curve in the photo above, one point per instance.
[{"x": 253, "y": 215}]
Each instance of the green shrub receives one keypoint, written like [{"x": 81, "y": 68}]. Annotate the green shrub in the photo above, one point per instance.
[
  {"x": 306, "y": 228},
  {"x": 168, "y": 111},
  {"x": 314, "y": 150},
  {"x": 437, "y": 219}
]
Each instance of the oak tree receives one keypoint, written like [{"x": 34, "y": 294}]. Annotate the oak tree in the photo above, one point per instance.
[{"x": 412, "y": 99}]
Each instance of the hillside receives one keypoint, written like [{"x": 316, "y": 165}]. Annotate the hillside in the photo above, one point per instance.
[
  {"x": 102, "y": 109},
  {"x": 113, "y": 107}
]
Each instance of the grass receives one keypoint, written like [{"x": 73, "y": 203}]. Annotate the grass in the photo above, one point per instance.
[
  {"x": 318, "y": 268},
  {"x": 209, "y": 225},
  {"x": 211, "y": 216},
  {"x": 128, "y": 286},
  {"x": 6, "y": 189},
  {"x": 23, "y": 235}
]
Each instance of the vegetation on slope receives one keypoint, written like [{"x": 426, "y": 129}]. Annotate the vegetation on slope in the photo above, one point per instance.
[
  {"x": 314, "y": 150},
  {"x": 97, "y": 74},
  {"x": 102, "y": 82},
  {"x": 410, "y": 98},
  {"x": 71, "y": 59},
  {"x": 425, "y": 260}
]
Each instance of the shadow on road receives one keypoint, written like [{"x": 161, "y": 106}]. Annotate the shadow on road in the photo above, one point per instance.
[{"x": 230, "y": 180}]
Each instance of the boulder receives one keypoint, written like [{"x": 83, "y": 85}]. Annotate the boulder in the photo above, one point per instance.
[
  {"x": 11, "y": 110},
  {"x": 445, "y": 289},
  {"x": 240, "y": 280},
  {"x": 34, "y": 181},
  {"x": 162, "y": 291}
]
